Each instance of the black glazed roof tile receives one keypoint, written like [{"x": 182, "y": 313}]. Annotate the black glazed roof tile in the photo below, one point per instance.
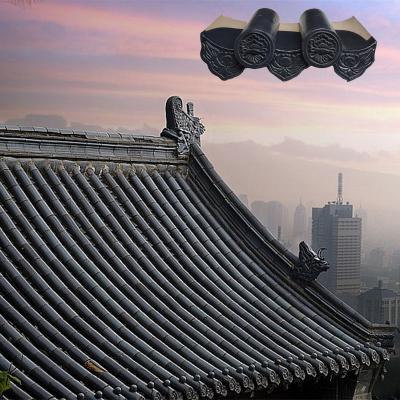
[
  {"x": 229, "y": 46},
  {"x": 147, "y": 277}
]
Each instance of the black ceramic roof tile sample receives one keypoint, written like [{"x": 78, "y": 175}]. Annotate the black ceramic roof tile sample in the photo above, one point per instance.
[
  {"x": 150, "y": 280},
  {"x": 229, "y": 46}
]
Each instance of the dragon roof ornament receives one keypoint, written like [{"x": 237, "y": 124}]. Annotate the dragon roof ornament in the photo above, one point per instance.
[
  {"x": 182, "y": 126},
  {"x": 310, "y": 264}
]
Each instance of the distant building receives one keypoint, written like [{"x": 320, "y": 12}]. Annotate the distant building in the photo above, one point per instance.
[
  {"x": 244, "y": 199},
  {"x": 309, "y": 229},
  {"x": 370, "y": 304},
  {"x": 362, "y": 213},
  {"x": 299, "y": 225},
  {"x": 270, "y": 214},
  {"x": 275, "y": 218},
  {"x": 376, "y": 258},
  {"x": 394, "y": 264},
  {"x": 380, "y": 305},
  {"x": 335, "y": 228},
  {"x": 259, "y": 209},
  {"x": 391, "y": 309}
]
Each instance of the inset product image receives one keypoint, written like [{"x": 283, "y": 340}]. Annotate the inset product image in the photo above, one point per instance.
[{"x": 228, "y": 46}]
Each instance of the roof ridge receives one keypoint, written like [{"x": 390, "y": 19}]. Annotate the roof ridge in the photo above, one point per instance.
[{"x": 73, "y": 132}]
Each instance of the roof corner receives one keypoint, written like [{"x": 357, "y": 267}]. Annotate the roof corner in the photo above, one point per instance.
[{"x": 182, "y": 126}]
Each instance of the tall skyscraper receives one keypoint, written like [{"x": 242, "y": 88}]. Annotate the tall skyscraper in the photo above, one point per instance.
[
  {"x": 299, "y": 225},
  {"x": 335, "y": 228}
]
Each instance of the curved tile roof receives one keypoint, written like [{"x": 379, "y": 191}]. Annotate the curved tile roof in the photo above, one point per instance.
[{"x": 133, "y": 280}]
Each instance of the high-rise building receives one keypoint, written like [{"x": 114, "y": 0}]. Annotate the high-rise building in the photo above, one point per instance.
[
  {"x": 270, "y": 214},
  {"x": 299, "y": 225},
  {"x": 335, "y": 228},
  {"x": 275, "y": 218},
  {"x": 380, "y": 305},
  {"x": 362, "y": 213},
  {"x": 309, "y": 229},
  {"x": 259, "y": 209}
]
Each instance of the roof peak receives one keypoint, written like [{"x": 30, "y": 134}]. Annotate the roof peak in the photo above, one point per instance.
[
  {"x": 183, "y": 127},
  {"x": 69, "y": 132}
]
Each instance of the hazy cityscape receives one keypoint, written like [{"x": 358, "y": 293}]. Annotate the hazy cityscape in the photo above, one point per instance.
[
  {"x": 372, "y": 273},
  {"x": 364, "y": 275}
]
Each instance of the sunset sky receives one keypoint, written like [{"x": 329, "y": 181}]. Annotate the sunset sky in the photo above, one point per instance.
[{"x": 113, "y": 64}]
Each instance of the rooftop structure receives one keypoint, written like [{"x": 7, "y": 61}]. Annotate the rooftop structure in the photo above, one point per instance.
[
  {"x": 380, "y": 305},
  {"x": 335, "y": 229},
  {"x": 129, "y": 270}
]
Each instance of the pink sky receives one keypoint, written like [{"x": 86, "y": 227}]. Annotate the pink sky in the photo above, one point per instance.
[{"x": 113, "y": 63}]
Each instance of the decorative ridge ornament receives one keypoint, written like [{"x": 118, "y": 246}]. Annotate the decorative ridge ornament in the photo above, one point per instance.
[
  {"x": 229, "y": 46},
  {"x": 321, "y": 45},
  {"x": 255, "y": 46},
  {"x": 310, "y": 264},
  {"x": 182, "y": 126}
]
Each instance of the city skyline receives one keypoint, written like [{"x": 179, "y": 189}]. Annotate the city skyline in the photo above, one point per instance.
[{"x": 375, "y": 256}]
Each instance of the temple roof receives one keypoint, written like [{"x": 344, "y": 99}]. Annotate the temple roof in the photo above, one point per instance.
[{"x": 130, "y": 270}]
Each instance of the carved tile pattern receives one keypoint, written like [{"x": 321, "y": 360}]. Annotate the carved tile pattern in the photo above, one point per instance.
[
  {"x": 352, "y": 64},
  {"x": 254, "y": 50},
  {"x": 322, "y": 49},
  {"x": 220, "y": 61},
  {"x": 287, "y": 64}
]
